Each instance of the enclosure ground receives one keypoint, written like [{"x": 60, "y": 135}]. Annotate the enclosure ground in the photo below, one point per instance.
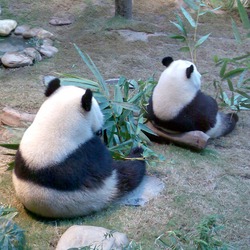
[{"x": 214, "y": 181}]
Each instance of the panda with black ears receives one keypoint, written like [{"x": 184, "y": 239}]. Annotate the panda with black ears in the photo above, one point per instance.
[
  {"x": 62, "y": 168},
  {"x": 177, "y": 104}
]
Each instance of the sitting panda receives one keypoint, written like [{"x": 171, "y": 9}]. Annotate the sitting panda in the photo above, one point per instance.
[
  {"x": 178, "y": 105},
  {"x": 62, "y": 168}
]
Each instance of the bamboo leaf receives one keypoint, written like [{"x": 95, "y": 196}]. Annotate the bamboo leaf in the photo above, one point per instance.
[
  {"x": 179, "y": 20},
  {"x": 209, "y": 11},
  {"x": 242, "y": 79},
  {"x": 178, "y": 26},
  {"x": 191, "y": 4},
  {"x": 145, "y": 128},
  {"x": 127, "y": 105},
  {"x": 230, "y": 85},
  {"x": 245, "y": 105},
  {"x": 223, "y": 69},
  {"x": 178, "y": 37},
  {"x": 243, "y": 15},
  {"x": 236, "y": 31},
  {"x": 88, "y": 61},
  {"x": 80, "y": 83},
  {"x": 201, "y": 40},
  {"x": 188, "y": 17},
  {"x": 11, "y": 166},
  {"x": 232, "y": 99},
  {"x": 121, "y": 145},
  {"x": 243, "y": 93},
  {"x": 136, "y": 97},
  {"x": 117, "y": 99},
  {"x": 233, "y": 73},
  {"x": 10, "y": 146}
]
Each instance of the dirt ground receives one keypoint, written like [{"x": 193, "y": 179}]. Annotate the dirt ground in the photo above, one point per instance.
[{"x": 216, "y": 181}]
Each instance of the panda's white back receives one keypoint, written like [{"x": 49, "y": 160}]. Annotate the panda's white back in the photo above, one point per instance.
[{"x": 174, "y": 90}]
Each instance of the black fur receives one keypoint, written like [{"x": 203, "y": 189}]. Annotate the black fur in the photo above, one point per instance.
[
  {"x": 189, "y": 71},
  {"x": 87, "y": 100},
  {"x": 130, "y": 173},
  {"x": 52, "y": 87},
  {"x": 199, "y": 114},
  {"x": 229, "y": 121},
  {"x": 166, "y": 61},
  {"x": 87, "y": 167}
]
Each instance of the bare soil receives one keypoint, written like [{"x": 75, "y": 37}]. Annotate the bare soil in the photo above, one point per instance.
[{"x": 215, "y": 181}]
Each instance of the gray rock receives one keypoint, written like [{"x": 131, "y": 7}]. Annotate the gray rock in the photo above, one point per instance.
[
  {"x": 31, "y": 33},
  {"x": 131, "y": 36},
  {"x": 6, "y": 26},
  {"x": 33, "y": 53},
  {"x": 147, "y": 190},
  {"x": 21, "y": 29},
  {"x": 48, "y": 41},
  {"x": 16, "y": 59},
  {"x": 42, "y": 34},
  {"x": 59, "y": 21},
  {"x": 47, "y": 50},
  {"x": 98, "y": 238}
]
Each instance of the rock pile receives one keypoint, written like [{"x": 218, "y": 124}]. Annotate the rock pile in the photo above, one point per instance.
[{"x": 42, "y": 44}]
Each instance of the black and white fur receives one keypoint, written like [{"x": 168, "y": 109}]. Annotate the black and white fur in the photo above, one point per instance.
[
  {"x": 62, "y": 168},
  {"x": 178, "y": 105}
]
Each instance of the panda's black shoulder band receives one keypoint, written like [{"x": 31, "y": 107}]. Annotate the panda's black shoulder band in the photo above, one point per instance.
[
  {"x": 166, "y": 61},
  {"x": 52, "y": 87}
]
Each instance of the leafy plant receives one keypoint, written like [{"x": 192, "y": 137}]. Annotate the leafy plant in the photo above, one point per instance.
[
  {"x": 192, "y": 43},
  {"x": 11, "y": 235},
  {"x": 204, "y": 237},
  {"x": 123, "y": 107},
  {"x": 235, "y": 71},
  {"x": 237, "y": 96}
]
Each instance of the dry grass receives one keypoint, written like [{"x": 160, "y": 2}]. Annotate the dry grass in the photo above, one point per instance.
[{"x": 215, "y": 181}]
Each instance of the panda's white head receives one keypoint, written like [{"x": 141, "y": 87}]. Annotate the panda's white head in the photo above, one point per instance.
[
  {"x": 177, "y": 86},
  {"x": 69, "y": 117}
]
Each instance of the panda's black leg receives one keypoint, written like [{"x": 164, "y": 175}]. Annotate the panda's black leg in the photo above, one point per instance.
[
  {"x": 130, "y": 172},
  {"x": 229, "y": 121}
]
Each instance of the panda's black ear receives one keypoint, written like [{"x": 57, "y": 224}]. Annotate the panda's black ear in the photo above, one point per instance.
[
  {"x": 166, "y": 61},
  {"x": 87, "y": 100},
  {"x": 189, "y": 71},
  {"x": 52, "y": 87}
]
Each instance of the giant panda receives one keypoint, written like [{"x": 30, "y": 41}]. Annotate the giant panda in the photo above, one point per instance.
[
  {"x": 62, "y": 168},
  {"x": 177, "y": 104}
]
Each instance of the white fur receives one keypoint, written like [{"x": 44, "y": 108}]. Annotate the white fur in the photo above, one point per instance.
[
  {"x": 218, "y": 128},
  {"x": 174, "y": 90},
  {"x": 60, "y": 126},
  {"x": 53, "y": 203}
]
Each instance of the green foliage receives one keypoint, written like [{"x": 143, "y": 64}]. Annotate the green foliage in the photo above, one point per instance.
[
  {"x": 235, "y": 71},
  {"x": 192, "y": 43},
  {"x": 245, "y": 22},
  {"x": 123, "y": 107},
  {"x": 11, "y": 235},
  {"x": 204, "y": 237}
]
